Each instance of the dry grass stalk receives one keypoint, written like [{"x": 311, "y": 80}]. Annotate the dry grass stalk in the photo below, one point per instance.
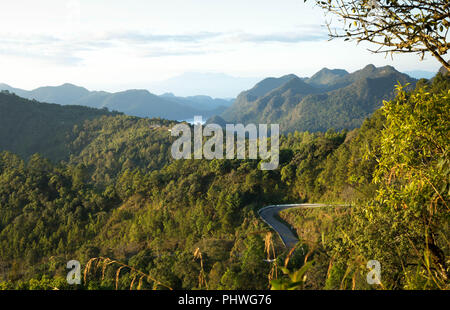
[
  {"x": 330, "y": 266},
  {"x": 104, "y": 262},
  {"x": 117, "y": 276},
  {"x": 269, "y": 249},
  {"x": 140, "y": 282},
  {"x": 288, "y": 258},
  {"x": 202, "y": 275},
  {"x": 132, "y": 282}
]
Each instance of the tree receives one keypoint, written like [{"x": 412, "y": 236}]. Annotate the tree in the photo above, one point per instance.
[
  {"x": 395, "y": 26},
  {"x": 413, "y": 173}
]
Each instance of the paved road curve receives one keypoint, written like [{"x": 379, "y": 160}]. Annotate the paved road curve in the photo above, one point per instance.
[{"x": 287, "y": 236}]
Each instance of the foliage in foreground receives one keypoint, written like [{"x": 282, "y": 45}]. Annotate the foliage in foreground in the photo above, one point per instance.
[{"x": 405, "y": 225}]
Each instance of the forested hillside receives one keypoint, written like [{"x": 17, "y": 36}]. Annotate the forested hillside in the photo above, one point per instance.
[
  {"x": 329, "y": 99},
  {"x": 28, "y": 127},
  {"x": 191, "y": 224}
]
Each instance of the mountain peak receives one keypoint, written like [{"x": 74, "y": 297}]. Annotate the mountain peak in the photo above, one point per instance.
[
  {"x": 333, "y": 71},
  {"x": 370, "y": 67},
  {"x": 67, "y": 86},
  {"x": 297, "y": 85},
  {"x": 168, "y": 95},
  {"x": 269, "y": 84},
  {"x": 370, "y": 71},
  {"x": 387, "y": 69},
  {"x": 289, "y": 76},
  {"x": 326, "y": 76}
]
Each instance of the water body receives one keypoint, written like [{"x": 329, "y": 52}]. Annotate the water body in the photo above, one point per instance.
[{"x": 191, "y": 121}]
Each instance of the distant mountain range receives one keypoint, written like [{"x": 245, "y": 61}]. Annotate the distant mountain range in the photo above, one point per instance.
[
  {"x": 203, "y": 103},
  {"x": 329, "y": 99},
  {"x": 135, "y": 102}
]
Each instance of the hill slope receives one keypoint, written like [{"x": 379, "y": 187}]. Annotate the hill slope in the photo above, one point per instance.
[
  {"x": 329, "y": 99},
  {"x": 28, "y": 127}
]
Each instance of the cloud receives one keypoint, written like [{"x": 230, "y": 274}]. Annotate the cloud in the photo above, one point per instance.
[
  {"x": 281, "y": 37},
  {"x": 302, "y": 33},
  {"x": 306, "y": 33},
  {"x": 59, "y": 57},
  {"x": 40, "y": 47},
  {"x": 66, "y": 50},
  {"x": 164, "y": 52},
  {"x": 140, "y": 37},
  {"x": 70, "y": 50}
]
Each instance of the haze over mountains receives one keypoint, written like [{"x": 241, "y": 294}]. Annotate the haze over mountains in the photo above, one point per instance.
[
  {"x": 329, "y": 99},
  {"x": 217, "y": 85},
  {"x": 133, "y": 102}
]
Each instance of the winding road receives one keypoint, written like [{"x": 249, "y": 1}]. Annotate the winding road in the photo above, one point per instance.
[{"x": 268, "y": 215}]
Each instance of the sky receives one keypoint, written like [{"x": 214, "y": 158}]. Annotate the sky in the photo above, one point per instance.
[{"x": 116, "y": 45}]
